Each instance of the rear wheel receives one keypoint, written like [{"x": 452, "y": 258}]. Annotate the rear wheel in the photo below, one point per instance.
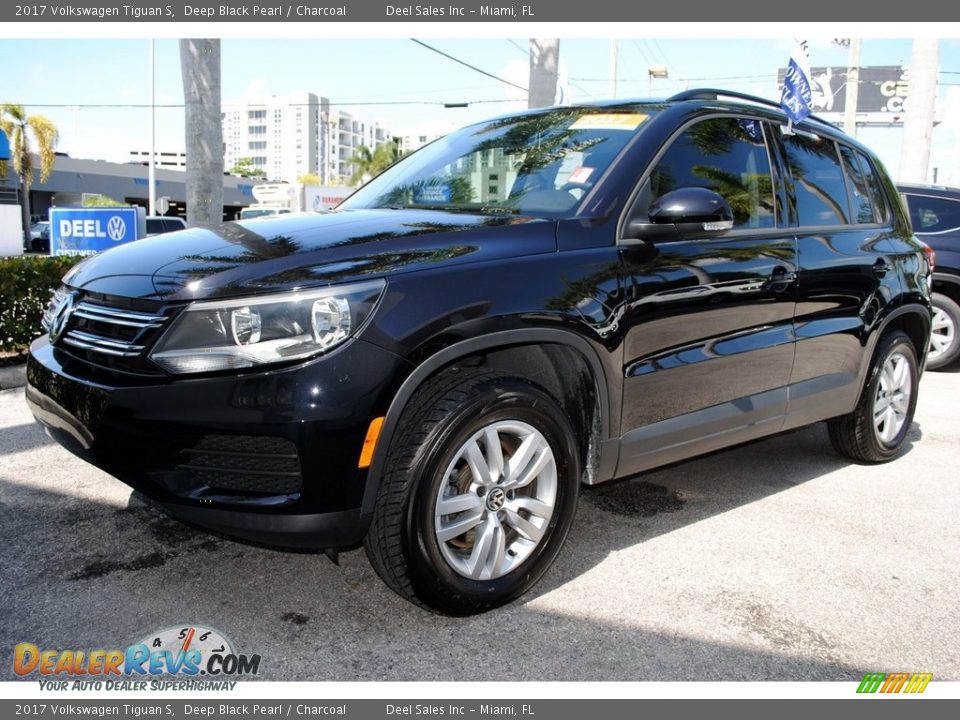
[
  {"x": 875, "y": 431},
  {"x": 479, "y": 494},
  {"x": 944, "y": 332}
]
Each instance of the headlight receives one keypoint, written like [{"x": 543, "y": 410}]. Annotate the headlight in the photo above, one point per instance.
[{"x": 247, "y": 332}]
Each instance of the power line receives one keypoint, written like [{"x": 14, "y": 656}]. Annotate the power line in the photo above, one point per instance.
[
  {"x": 694, "y": 79},
  {"x": 230, "y": 106},
  {"x": 643, "y": 55},
  {"x": 519, "y": 47},
  {"x": 466, "y": 64},
  {"x": 656, "y": 44}
]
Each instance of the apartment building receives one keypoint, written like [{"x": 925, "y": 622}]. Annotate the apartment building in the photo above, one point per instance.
[
  {"x": 280, "y": 135},
  {"x": 300, "y": 133},
  {"x": 343, "y": 134}
]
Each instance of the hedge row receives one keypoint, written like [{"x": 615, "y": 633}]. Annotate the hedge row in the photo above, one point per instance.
[{"x": 26, "y": 284}]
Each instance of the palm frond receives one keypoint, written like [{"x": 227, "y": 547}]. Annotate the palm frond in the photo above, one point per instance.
[{"x": 47, "y": 137}]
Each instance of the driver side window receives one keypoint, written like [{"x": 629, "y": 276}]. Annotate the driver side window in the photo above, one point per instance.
[{"x": 728, "y": 156}]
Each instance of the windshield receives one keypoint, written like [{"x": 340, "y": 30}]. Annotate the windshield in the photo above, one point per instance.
[
  {"x": 247, "y": 214},
  {"x": 540, "y": 165}
]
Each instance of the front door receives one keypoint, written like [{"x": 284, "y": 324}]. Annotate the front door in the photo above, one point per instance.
[{"x": 709, "y": 339}]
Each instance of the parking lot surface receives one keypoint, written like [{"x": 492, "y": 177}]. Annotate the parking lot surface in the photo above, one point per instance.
[{"x": 777, "y": 560}]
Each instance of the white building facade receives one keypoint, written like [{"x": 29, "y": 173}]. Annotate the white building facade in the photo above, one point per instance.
[
  {"x": 290, "y": 136},
  {"x": 343, "y": 134},
  {"x": 280, "y": 135}
]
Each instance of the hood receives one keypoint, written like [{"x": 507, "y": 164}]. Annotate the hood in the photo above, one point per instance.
[{"x": 305, "y": 250}]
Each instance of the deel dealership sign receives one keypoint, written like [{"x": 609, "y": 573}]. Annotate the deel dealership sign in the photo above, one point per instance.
[{"x": 85, "y": 231}]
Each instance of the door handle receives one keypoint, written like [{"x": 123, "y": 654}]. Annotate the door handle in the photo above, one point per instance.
[
  {"x": 781, "y": 277},
  {"x": 881, "y": 267}
]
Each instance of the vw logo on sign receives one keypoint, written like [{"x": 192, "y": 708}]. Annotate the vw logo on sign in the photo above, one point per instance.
[
  {"x": 116, "y": 228},
  {"x": 61, "y": 315}
]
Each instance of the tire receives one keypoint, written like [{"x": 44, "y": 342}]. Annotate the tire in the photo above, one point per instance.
[
  {"x": 875, "y": 431},
  {"x": 945, "y": 333},
  {"x": 440, "y": 459}
]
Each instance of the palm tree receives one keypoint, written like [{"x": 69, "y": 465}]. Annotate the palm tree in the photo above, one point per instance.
[
  {"x": 19, "y": 126},
  {"x": 200, "y": 69},
  {"x": 367, "y": 163}
]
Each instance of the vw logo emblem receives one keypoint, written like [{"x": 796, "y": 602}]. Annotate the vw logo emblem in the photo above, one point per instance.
[
  {"x": 61, "y": 315},
  {"x": 495, "y": 499},
  {"x": 116, "y": 228}
]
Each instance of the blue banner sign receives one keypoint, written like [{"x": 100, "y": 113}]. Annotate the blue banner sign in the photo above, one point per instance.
[
  {"x": 797, "y": 96},
  {"x": 85, "y": 231}
]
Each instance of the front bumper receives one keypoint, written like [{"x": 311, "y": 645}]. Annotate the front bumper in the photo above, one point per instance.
[{"x": 269, "y": 456}]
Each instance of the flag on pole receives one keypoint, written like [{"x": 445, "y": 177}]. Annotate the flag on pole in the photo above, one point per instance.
[{"x": 797, "y": 97}]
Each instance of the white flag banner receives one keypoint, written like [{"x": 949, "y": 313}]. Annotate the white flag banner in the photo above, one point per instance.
[{"x": 797, "y": 97}]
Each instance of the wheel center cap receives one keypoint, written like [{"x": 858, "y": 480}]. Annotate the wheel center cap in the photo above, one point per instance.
[{"x": 495, "y": 499}]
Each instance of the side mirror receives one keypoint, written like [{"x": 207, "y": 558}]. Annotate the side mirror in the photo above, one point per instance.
[{"x": 688, "y": 213}]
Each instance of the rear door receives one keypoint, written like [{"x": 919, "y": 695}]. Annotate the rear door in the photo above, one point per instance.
[
  {"x": 847, "y": 271},
  {"x": 709, "y": 323}
]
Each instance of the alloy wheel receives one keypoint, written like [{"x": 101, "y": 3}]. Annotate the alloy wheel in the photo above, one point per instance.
[
  {"x": 892, "y": 402},
  {"x": 496, "y": 501},
  {"x": 943, "y": 334}
]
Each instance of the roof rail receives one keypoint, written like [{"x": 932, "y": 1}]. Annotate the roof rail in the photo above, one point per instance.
[{"x": 714, "y": 94}]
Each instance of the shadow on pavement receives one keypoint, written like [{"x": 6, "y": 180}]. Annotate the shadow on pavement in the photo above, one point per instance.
[{"x": 81, "y": 574}]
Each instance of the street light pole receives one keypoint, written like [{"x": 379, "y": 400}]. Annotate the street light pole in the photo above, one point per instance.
[
  {"x": 853, "y": 89},
  {"x": 656, "y": 71},
  {"x": 614, "y": 50},
  {"x": 152, "y": 166}
]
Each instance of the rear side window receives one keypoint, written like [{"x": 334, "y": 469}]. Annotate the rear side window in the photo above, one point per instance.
[
  {"x": 860, "y": 196},
  {"x": 728, "y": 156},
  {"x": 816, "y": 181},
  {"x": 873, "y": 186},
  {"x": 933, "y": 215}
]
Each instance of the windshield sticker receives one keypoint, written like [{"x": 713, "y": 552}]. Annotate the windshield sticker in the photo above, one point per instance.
[
  {"x": 580, "y": 174},
  {"x": 609, "y": 121},
  {"x": 431, "y": 194}
]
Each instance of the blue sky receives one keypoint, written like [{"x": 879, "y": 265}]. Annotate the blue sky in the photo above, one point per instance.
[{"x": 371, "y": 76}]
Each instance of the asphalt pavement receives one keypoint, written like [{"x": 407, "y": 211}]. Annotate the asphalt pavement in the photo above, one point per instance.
[{"x": 778, "y": 560}]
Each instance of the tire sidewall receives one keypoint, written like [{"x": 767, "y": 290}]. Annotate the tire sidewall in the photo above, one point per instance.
[
  {"x": 897, "y": 343},
  {"x": 434, "y": 580},
  {"x": 951, "y": 308}
]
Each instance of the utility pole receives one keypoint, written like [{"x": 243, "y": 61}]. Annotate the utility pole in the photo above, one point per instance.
[
  {"x": 853, "y": 89},
  {"x": 918, "y": 123},
  {"x": 152, "y": 166},
  {"x": 200, "y": 70},
  {"x": 614, "y": 51},
  {"x": 543, "y": 72}
]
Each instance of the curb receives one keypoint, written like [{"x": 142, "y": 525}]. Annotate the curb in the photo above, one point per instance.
[{"x": 13, "y": 376}]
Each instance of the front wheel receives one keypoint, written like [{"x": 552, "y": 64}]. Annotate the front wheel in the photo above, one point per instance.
[
  {"x": 479, "y": 494},
  {"x": 876, "y": 430}
]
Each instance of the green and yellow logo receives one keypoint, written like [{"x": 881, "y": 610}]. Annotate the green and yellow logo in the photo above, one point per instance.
[{"x": 894, "y": 682}]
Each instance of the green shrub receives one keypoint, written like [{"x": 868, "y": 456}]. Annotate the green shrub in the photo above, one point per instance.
[{"x": 26, "y": 284}]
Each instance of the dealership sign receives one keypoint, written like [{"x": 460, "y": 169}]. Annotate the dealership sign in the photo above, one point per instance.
[
  {"x": 882, "y": 91},
  {"x": 85, "y": 231}
]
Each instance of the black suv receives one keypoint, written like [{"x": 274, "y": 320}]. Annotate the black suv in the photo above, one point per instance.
[
  {"x": 563, "y": 296},
  {"x": 935, "y": 214}
]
